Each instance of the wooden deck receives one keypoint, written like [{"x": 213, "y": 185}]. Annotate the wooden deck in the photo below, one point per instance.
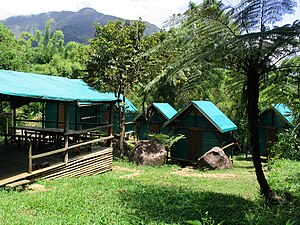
[{"x": 14, "y": 163}]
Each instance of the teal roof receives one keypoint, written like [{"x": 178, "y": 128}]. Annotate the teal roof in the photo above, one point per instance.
[
  {"x": 45, "y": 87},
  {"x": 166, "y": 109},
  {"x": 212, "y": 113},
  {"x": 284, "y": 111}
]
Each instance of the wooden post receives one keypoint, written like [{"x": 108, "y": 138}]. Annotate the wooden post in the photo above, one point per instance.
[
  {"x": 76, "y": 116},
  {"x": 6, "y": 131},
  {"x": 14, "y": 124},
  {"x": 43, "y": 115},
  {"x": 14, "y": 117},
  {"x": 30, "y": 157},
  {"x": 110, "y": 121},
  {"x": 66, "y": 129}
]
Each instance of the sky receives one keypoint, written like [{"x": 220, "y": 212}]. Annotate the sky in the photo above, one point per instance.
[{"x": 153, "y": 11}]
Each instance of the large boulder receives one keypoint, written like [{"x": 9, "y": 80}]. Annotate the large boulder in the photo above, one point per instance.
[
  {"x": 148, "y": 152},
  {"x": 215, "y": 159}
]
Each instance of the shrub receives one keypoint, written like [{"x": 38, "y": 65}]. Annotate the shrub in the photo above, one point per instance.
[
  {"x": 287, "y": 146},
  {"x": 167, "y": 140}
]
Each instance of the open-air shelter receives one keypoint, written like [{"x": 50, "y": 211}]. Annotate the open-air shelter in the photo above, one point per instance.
[{"x": 41, "y": 141}]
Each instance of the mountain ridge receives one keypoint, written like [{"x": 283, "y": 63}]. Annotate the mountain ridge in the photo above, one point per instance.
[{"x": 76, "y": 26}]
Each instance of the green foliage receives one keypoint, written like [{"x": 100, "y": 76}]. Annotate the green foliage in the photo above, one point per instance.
[
  {"x": 205, "y": 220},
  {"x": 116, "y": 58},
  {"x": 11, "y": 57},
  {"x": 117, "y": 61},
  {"x": 284, "y": 178},
  {"x": 48, "y": 54},
  {"x": 287, "y": 146},
  {"x": 168, "y": 140}
]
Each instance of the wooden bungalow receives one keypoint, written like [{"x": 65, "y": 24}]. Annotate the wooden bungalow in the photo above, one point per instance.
[
  {"x": 271, "y": 121},
  {"x": 84, "y": 115},
  {"x": 58, "y": 147},
  {"x": 204, "y": 127},
  {"x": 152, "y": 121}
]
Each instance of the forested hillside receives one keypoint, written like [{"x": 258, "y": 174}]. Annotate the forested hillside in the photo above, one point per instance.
[{"x": 76, "y": 26}]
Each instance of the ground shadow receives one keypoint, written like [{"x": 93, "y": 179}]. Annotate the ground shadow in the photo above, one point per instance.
[{"x": 155, "y": 204}]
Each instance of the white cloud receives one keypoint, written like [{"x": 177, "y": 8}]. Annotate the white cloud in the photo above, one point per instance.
[{"x": 153, "y": 11}]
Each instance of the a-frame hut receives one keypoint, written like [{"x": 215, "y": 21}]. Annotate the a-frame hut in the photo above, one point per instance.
[
  {"x": 271, "y": 121},
  {"x": 67, "y": 149},
  {"x": 151, "y": 122},
  {"x": 204, "y": 127}
]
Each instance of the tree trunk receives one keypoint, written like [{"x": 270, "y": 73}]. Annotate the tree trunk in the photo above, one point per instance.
[
  {"x": 252, "y": 95},
  {"x": 122, "y": 127}
]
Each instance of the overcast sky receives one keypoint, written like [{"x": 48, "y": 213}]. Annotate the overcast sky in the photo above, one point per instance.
[{"x": 153, "y": 11}]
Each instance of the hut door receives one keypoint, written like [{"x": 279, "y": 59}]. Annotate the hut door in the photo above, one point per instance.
[
  {"x": 271, "y": 137},
  {"x": 154, "y": 128},
  {"x": 60, "y": 115},
  {"x": 194, "y": 144}
]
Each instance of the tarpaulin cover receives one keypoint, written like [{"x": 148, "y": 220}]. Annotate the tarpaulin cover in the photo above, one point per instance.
[
  {"x": 166, "y": 109},
  {"x": 285, "y": 111},
  {"x": 45, "y": 87},
  {"x": 212, "y": 113},
  {"x": 215, "y": 115},
  {"x": 129, "y": 107}
]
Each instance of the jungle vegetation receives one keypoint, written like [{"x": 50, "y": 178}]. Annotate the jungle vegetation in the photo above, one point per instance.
[{"x": 235, "y": 57}]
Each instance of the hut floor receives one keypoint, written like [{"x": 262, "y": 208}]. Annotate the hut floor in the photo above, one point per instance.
[{"x": 14, "y": 160}]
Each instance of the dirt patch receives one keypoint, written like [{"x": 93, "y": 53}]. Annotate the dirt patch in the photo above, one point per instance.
[
  {"x": 134, "y": 172},
  {"x": 125, "y": 169},
  {"x": 34, "y": 188},
  {"x": 130, "y": 175},
  {"x": 187, "y": 173}
]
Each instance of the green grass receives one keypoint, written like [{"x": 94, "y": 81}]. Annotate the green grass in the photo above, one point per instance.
[{"x": 155, "y": 195}]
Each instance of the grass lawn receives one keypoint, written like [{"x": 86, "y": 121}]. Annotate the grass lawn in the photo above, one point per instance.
[{"x": 156, "y": 195}]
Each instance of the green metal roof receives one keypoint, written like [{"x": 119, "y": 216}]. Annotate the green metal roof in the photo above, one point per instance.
[
  {"x": 212, "y": 113},
  {"x": 284, "y": 111},
  {"x": 45, "y": 87},
  {"x": 166, "y": 109}
]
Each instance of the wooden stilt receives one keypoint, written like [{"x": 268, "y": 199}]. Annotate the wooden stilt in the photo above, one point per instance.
[{"x": 66, "y": 130}]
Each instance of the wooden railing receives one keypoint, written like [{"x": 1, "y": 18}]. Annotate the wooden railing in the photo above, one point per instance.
[{"x": 66, "y": 148}]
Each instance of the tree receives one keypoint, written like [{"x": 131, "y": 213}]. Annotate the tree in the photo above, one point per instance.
[
  {"x": 47, "y": 53},
  {"x": 117, "y": 61},
  {"x": 244, "y": 41},
  {"x": 10, "y": 58}
]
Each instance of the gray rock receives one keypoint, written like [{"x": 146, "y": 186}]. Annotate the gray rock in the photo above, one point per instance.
[
  {"x": 148, "y": 152},
  {"x": 215, "y": 159}
]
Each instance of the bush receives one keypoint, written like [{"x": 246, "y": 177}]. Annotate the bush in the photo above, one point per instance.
[
  {"x": 287, "y": 146},
  {"x": 167, "y": 140}
]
